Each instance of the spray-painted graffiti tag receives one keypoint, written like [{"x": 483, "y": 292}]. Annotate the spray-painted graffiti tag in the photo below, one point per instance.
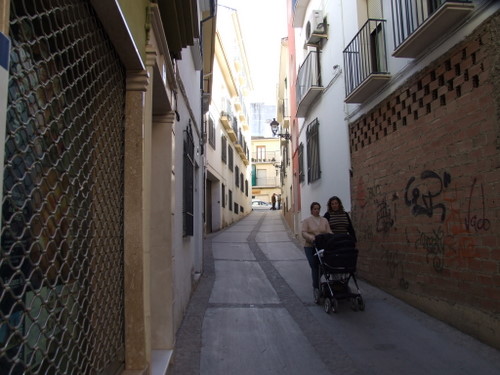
[
  {"x": 384, "y": 216},
  {"x": 481, "y": 223},
  {"x": 422, "y": 203},
  {"x": 434, "y": 244}
]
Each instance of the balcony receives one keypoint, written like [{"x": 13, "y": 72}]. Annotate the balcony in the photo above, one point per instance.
[
  {"x": 264, "y": 182},
  {"x": 418, "y": 23},
  {"x": 365, "y": 62},
  {"x": 308, "y": 83},
  {"x": 283, "y": 115},
  {"x": 266, "y": 157},
  {"x": 241, "y": 147},
  {"x": 227, "y": 121}
]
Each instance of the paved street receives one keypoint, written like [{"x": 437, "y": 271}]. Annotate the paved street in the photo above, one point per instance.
[{"x": 252, "y": 313}]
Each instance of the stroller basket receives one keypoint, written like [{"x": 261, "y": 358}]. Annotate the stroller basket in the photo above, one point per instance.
[{"x": 340, "y": 261}]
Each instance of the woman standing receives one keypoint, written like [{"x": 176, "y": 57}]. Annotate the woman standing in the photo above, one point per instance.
[
  {"x": 338, "y": 219},
  {"x": 311, "y": 227}
]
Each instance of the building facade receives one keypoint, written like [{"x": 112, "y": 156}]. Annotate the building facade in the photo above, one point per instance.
[
  {"x": 102, "y": 225},
  {"x": 227, "y": 157},
  {"x": 266, "y": 168},
  {"x": 412, "y": 94}
]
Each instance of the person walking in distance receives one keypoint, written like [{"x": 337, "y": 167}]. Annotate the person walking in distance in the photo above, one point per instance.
[
  {"x": 311, "y": 227},
  {"x": 273, "y": 201}
]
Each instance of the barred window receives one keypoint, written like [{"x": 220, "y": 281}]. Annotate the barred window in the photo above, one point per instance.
[
  {"x": 223, "y": 198},
  {"x": 301, "y": 163},
  {"x": 223, "y": 149},
  {"x": 246, "y": 188},
  {"x": 188, "y": 182},
  {"x": 313, "y": 165},
  {"x": 211, "y": 132},
  {"x": 236, "y": 208},
  {"x": 237, "y": 176},
  {"x": 230, "y": 158},
  {"x": 230, "y": 200}
]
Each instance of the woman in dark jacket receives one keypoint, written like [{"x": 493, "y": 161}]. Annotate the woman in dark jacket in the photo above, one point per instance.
[{"x": 339, "y": 220}]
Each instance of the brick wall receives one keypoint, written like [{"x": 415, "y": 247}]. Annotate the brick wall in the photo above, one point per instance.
[{"x": 426, "y": 187}]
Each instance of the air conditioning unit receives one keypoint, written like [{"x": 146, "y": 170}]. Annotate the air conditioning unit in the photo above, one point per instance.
[{"x": 315, "y": 27}]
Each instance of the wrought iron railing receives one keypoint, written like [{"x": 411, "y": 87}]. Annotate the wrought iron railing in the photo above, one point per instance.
[
  {"x": 365, "y": 54},
  {"x": 408, "y": 15},
  {"x": 266, "y": 157},
  {"x": 309, "y": 75}
]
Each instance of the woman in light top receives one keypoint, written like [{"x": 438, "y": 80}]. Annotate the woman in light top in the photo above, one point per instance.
[{"x": 311, "y": 227}]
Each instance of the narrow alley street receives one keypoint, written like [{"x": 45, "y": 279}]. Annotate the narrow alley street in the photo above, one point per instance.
[{"x": 253, "y": 313}]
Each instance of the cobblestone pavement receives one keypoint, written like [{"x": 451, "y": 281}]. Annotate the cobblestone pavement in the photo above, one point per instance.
[{"x": 252, "y": 313}]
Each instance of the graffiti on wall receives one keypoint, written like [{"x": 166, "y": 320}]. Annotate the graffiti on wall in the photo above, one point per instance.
[
  {"x": 385, "y": 216},
  {"x": 395, "y": 265},
  {"x": 422, "y": 198},
  {"x": 433, "y": 243},
  {"x": 475, "y": 222},
  {"x": 461, "y": 214}
]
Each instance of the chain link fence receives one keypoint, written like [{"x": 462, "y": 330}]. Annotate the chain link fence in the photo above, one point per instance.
[{"x": 61, "y": 261}]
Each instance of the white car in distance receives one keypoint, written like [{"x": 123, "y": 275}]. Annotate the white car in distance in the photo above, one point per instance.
[{"x": 260, "y": 205}]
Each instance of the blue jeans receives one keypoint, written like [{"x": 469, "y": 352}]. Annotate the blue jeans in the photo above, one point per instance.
[{"x": 314, "y": 264}]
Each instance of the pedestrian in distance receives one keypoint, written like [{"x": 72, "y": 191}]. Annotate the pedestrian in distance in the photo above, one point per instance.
[
  {"x": 311, "y": 227},
  {"x": 339, "y": 220},
  {"x": 273, "y": 201}
]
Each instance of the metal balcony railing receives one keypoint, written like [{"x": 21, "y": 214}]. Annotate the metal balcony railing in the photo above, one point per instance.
[
  {"x": 266, "y": 157},
  {"x": 267, "y": 181},
  {"x": 366, "y": 54},
  {"x": 409, "y": 15},
  {"x": 309, "y": 75},
  {"x": 235, "y": 125}
]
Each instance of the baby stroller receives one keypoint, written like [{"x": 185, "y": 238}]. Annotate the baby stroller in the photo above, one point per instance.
[{"x": 337, "y": 256}]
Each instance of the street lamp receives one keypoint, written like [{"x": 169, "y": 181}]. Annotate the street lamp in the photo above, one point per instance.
[{"x": 275, "y": 127}]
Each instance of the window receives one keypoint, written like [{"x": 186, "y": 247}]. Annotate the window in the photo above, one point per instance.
[
  {"x": 223, "y": 198},
  {"x": 236, "y": 208},
  {"x": 188, "y": 182},
  {"x": 237, "y": 176},
  {"x": 224, "y": 149},
  {"x": 301, "y": 163},
  {"x": 230, "y": 157},
  {"x": 313, "y": 166},
  {"x": 261, "y": 153},
  {"x": 241, "y": 182},
  {"x": 211, "y": 132},
  {"x": 246, "y": 188},
  {"x": 230, "y": 200}
]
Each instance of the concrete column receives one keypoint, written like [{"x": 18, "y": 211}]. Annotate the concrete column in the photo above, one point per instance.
[
  {"x": 162, "y": 277},
  {"x": 136, "y": 297}
]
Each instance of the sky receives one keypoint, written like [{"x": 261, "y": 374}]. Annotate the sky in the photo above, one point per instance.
[{"x": 263, "y": 25}]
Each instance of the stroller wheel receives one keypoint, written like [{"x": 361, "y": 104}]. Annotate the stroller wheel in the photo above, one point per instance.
[
  {"x": 361, "y": 303},
  {"x": 331, "y": 305},
  {"x": 335, "y": 305},
  {"x": 327, "y": 305},
  {"x": 354, "y": 304}
]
